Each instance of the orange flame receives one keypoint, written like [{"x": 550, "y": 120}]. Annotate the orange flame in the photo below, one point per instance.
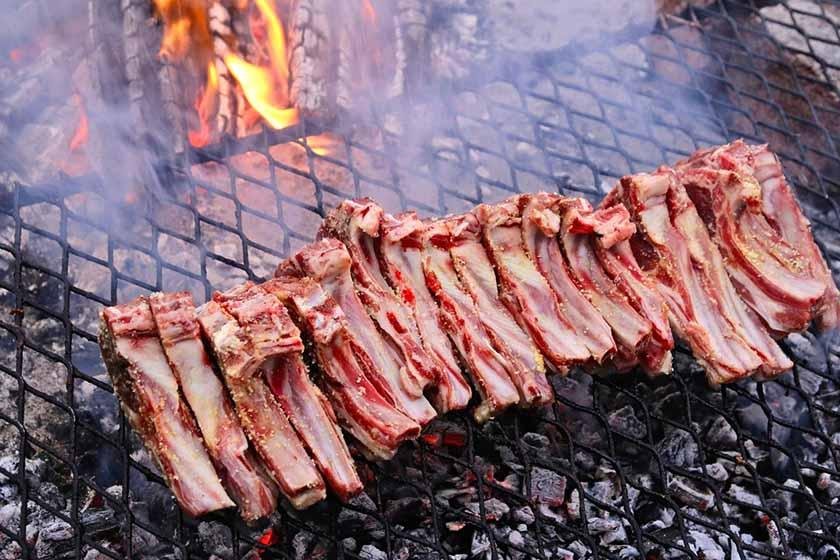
[
  {"x": 369, "y": 11},
  {"x": 266, "y": 88},
  {"x": 80, "y": 137},
  {"x": 321, "y": 144},
  {"x": 205, "y": 106},
  {"x": 186, "y": 28}
]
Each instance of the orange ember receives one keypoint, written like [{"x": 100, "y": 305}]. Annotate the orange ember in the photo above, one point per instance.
[
  {"x": 16, "y": 55},
  {"x": 205, "y": 106},
  {"x": 77, "y": 163},
  {"x": 369, "y": 11}
]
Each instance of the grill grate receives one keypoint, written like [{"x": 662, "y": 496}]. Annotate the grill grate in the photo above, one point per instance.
[{"x": 631, "y": 451}]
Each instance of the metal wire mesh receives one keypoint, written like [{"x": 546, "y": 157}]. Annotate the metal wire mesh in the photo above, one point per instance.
[{"x": 637, "y": 456}]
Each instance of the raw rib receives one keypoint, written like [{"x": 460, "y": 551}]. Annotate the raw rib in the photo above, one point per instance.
[
  {"x": 553, "y": 214},
  {"x": 490, "y": 371},
  {"x": 356, "y": 224},
  {"x": 400, "y": 249},
  {"x": 242, "y": 472},
  {"x": 773, "y": 228},
  {"x": 540, "y": 226},
  {"x": 265, "y": 318},
  {"x": 261, "y": 416},
  {"x": 524, "y": 290},
  {"x": 362, "y": 410},
  {"x": 527, "y": 368},
  {"x": 149, "y": 396},
  {"x": 673, "y": 246},
  {"x": 641, "y": 292},
  {"x": 328, "y": 263}
]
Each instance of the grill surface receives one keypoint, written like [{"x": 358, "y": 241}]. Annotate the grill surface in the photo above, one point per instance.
[{"x": 710, "y": 76}]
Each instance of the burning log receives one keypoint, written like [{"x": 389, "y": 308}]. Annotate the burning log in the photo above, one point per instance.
[
  {"x": 311, "y": 58},
  {"x": 222, "y": 33}
]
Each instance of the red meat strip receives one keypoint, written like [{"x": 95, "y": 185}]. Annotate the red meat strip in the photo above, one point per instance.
[
  {"x": 264, "y": 421},
  {"x": 356, "y": 223},
  {"x": 753, "y": 215},
  {"x": 328, "y": 263},
  {"x": 400, "y": 249},
  {"x": 674, "y": 247},
  {"x": 149, "y": 395},
  {"x": 268, "y": 324},
  {"x": 242, "y": 472},
  {"x": 479, "y": 279},
  {"x": 346, "y": 368},
  {"x": 491, "y": 371},
  {"x": 524, "y": 290}
]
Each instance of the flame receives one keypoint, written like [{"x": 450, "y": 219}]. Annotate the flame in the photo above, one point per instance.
[
  {"x": 80, "y": 137},
  {"x": 369, "y": 12},
  {"x": 266, "y": 88},
  {"x": 205, "y": 106},
  {"x": 321, "y": 144},
  {"x": 185, "y": 29},
  {"x": 16, "y": 55},
  {"x": 258, "y": 87}
]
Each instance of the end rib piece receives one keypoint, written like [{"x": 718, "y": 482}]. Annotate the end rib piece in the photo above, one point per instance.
[
  {"x": 346, "y": 368},
  {"x": 242, "y": 473},
  {"x": 262, "y": 417},
  {"x": 675, "y": 249},
  {"x": 328, "y": 263},
  {"x": 753, "y": 215},
  {"x": 149, "y": 396},
  {"x": 400, "y": 250},
  {"x": 264, "y": 317}
]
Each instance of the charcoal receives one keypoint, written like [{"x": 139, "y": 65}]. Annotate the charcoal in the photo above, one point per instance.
[
  {"x": 679, "y": 449},
  {"x": 573, "y": 505},
  {"x": 547, "y": 487},
  {"x": 215, "y": 538},
  {"x": 720, "y": 434},
  {"x": 717, "y": 472},
  {"x": 808, "y": 352},
  {"x": 406, "y": 511},
  {"x": 687, "y": 492},
  {"x": 704, "y": 544},
  {"x": 349, "y": 544},
  {"x": 370, "y": 552},
  {"x": 538, "y": 441},
  {"x": 523, "y": 515},
  {"x": 480, "y": 544},
  {"x": 494, "y": 509},
  {"x": 625, "y": 421},
  {"x": 584, "y": 461},
  {"x": 828, "y": 552}
]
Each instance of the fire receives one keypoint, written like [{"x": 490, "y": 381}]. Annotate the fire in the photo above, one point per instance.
[
  {"x": 369, "y": 11},
  {"x": 185, "y": 29},
  {"x": 321, "y": 144},
  {"x": 258, "y": 87},
  {"x": 80, "y": 137},
  {"x": 205, "y": 106}
]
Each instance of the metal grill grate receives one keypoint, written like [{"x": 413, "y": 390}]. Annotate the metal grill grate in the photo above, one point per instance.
[{"x": 638, "y": 457}]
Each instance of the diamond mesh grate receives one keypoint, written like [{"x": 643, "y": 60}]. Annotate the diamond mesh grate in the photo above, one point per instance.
[{"x": 656, "y": 469}]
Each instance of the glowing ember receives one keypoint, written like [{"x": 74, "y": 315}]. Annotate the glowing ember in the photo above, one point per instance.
[
  {"x": 77, "y": 163},
  {"x": 80, "y": 137},
  {"x": 369, "y": 11},
  {"x": 205, "y": 106},
  {"x": 16, "y": 55}
]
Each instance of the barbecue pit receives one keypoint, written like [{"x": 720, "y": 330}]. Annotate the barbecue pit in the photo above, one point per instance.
[{"x": 617, "y": 467}]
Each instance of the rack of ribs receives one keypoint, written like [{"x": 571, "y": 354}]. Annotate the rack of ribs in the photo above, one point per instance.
[
  {"x": 751, "y": 213},
  {"x": 492, "y": 373},
  {"x": 479, "y": 279},
  {"x": 400, "y": 250},
  {"x": 356, "y": 223},
  {"x": 525, "y": 291},
  {"x": 268, "y": 324},
  {"x": 242, "y": 473},
  {"x": 242, "y": 364},
  {"x": 328, "y": 263},
  {"x": 149, "y": 396},
  {"x": 673, "y": 247},
  {"x": 346, "y": 368}
]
